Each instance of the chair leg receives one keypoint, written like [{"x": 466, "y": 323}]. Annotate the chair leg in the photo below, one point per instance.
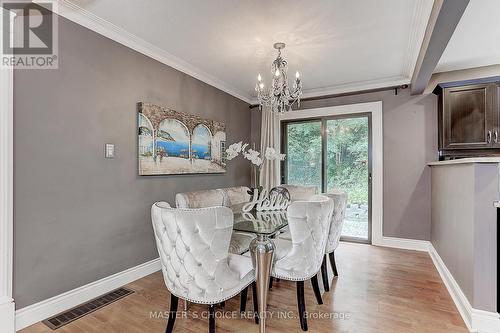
[
  {"x": 315, "y": 285},
  {"x": 211, "y": 318},
  {"x": 255, "y": 303},
  {"x": 324, "y": 275},
  {"x": 301, "y": 303},
  {"x": 334, "y": 266},
  {"x": 243, "y": 300},
  {"x": 174, "y": 302}
]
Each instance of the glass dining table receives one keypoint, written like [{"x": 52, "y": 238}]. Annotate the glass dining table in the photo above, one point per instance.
[
  {"x": 268, "y": 223},
  {"x": 265, "y": 225}
]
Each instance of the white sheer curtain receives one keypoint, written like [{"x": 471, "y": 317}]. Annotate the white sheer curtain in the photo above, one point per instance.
[{"x": 269, "y": 137}]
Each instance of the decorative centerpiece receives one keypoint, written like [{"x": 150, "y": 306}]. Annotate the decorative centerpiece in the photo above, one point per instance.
[
  {"x": 260, "y": 200},
  {"x": 266, "y": 220}
]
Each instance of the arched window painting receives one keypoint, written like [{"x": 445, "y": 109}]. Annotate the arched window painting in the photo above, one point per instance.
[
  {"x": 202, "y": 139},
  {"x": 172, "y": 139},
  {"x": 145, "y": 136},
  {"x": 171, "y": 142}
]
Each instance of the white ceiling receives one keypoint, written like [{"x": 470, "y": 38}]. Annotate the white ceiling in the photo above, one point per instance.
[
  {"x": 337, "y": 45},
  {"x": 476, "y": 40}
]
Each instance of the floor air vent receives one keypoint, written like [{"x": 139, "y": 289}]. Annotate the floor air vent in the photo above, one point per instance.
[{"x": 79, "y": 311}]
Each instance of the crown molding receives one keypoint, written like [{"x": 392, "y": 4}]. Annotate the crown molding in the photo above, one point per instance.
[
  {"x": 351, "y": 87},
  {"x": 103, "y": 27},
  {"x": 421, "y": 13},
  {"x": 357, "y": 86},
  {"x": 467, "y": 64},
  {"x": 85, "y": 18},
  {"x": 471, "y": 73}
]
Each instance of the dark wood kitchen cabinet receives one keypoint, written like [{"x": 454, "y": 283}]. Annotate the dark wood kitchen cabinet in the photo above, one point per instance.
[
  {"x": 469, "y": 120},
  {"x": 496, "y": 114}
]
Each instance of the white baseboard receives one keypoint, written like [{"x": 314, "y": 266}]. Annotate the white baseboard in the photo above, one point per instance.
[
  {"x": 7, "y": 314},
  {"x": 459, "y": 298},
  {"x": 403, "y": 243},
  {"x": 485, "y": 322},
  {"x": 475, "y": 320},
  {"x": 39, "y": 311}
]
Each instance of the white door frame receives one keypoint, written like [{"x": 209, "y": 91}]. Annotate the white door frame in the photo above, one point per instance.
[
  {"x": 6, "y": 196},
  {"x": 375, "y": 109}
]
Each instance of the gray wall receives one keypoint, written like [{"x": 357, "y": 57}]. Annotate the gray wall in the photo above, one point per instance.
[
  {"x": 464, "y": 227},
  {"x": 80, "y": 217},
  {"x": 452, "y": 232},
  {"x": 486, "y": 182},
  {"x": 410, "y": 142}
]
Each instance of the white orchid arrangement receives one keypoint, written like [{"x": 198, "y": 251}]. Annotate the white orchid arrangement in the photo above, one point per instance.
[{"x": 253, "y": 155}]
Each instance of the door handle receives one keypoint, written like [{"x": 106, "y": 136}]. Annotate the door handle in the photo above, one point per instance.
[
  {"x": 488, "y": 137},
  {"x": 495, "y": 139}
]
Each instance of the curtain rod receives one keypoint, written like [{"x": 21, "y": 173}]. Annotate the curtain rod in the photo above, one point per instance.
[{"x": 359, "y": 92}]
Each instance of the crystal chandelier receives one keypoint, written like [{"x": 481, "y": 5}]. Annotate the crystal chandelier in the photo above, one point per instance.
[{"x": 279, "y": 97}]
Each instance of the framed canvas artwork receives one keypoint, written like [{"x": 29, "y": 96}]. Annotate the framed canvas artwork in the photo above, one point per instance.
[{"x": 173, "y": 143}]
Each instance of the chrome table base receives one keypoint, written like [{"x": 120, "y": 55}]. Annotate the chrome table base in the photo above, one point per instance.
[{"x": 262, "y": 250}]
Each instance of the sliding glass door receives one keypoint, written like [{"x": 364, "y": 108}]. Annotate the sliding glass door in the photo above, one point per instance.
[
  {"x": 304, "y": 153},
  {"x": 329, "y": 153}
]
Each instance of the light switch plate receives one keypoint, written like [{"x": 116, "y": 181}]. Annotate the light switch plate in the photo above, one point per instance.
[{"x": 110, "y": 150}]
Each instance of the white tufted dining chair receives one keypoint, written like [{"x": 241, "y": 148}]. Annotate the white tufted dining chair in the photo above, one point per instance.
[
  {"x": 229, "y": 197},
  {"x": 193, "y": 247},
  {"x": 237, "y": 195},
  {"x": 297, "y": 192},
  {"x": 300, "y": 192},
  {"x": 339, "y": 198},
  {"x": 300, "y": 259},
  {"x": 200, "y": 199}
]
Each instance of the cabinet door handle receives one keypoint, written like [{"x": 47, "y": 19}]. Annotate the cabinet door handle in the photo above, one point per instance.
[
  {"x": 488, "y": 137},
  {"x": 495, "y": 139}
]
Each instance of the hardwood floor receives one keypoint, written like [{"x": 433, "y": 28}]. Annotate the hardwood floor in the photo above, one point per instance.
[{"x": 379, "y": 290}]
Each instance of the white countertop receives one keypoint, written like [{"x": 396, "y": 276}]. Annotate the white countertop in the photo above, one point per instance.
[{"x": 466, "y": 161}]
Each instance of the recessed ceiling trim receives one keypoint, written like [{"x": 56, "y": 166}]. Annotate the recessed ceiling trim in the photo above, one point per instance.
[
  {"x": 421, "y": 13},
  {"x": 103, "y": 27},
  {"x": 468, "y": 63},
  {"x": 472, "y": 73},
  {"x": 474, "y": 42},
  {"x": 444, "y": 19}
]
